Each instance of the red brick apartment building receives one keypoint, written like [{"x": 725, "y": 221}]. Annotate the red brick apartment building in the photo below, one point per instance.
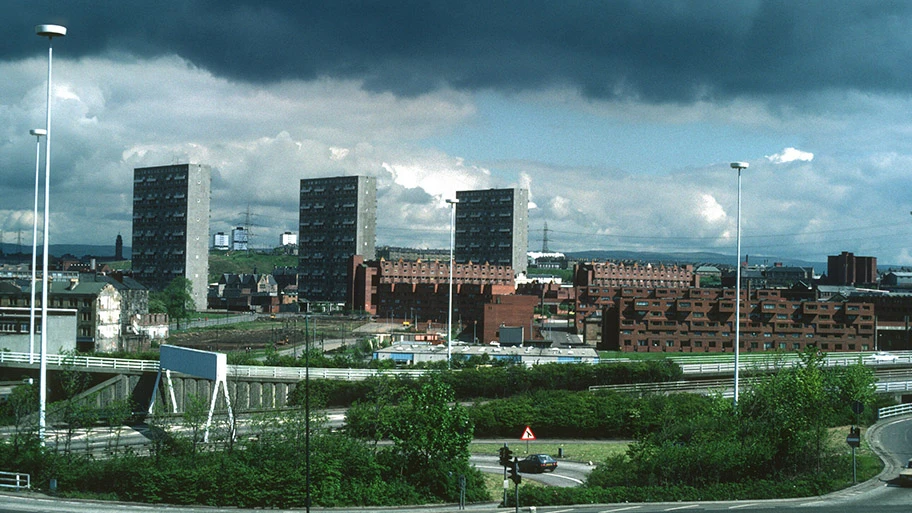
[
  {"x": 661, "y": 308},
  {"x": 701, "y": 320},
  {"x": 483, "y": 294},
  {"x": 596, "y": 283},
  {"x": 894, "y": 321}
]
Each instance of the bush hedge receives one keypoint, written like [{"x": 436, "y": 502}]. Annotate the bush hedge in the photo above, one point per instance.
[{"x": 501, "y": 381}]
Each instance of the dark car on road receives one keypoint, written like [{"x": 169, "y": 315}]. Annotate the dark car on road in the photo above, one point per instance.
[{"x": 537, "y": 463}]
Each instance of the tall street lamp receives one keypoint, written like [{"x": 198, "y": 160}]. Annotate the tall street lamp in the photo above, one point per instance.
[
  {"x": 739, "y": 166},
  {"x": 452, "y": 203},
  {"x": 37, "y": 132},
  {"x": 50, "y": 32}
]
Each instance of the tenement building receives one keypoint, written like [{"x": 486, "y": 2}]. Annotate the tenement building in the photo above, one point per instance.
[
  {"x": 338, "y": 219},
  {"x": 492, "y": 226},
  {"x": 171, "y": 227},
  {"x": 483, "y": 295},
  {"x": 596, "y": 284},
  {"x": 701, "y": 320}
]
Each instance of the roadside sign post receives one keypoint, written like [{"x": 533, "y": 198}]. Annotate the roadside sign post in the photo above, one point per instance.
[
  {"x": 505, "y": 454},
  {"x": 527, "y": 436},
  {"x": 854, "y": 440}
]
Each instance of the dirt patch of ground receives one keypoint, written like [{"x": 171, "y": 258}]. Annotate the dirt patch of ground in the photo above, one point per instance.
[{"x": 224, "y": 340}]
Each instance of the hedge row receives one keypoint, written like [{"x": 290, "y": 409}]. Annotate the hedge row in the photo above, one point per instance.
[
  {"x": 754, "y": 490},
  {"x": 564, "y": 414},
  {"x": 501, "y": 381}
]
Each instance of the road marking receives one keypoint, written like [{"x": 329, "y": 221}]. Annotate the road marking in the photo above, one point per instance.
[
  {"x": 620, "y": 509},
  {"x": 683, "y": 507},
  {"x": 575, "y": 480},
  {"x": 813, "y": 503},
  {"x": 561, "y": 511},
  {"x": 754, "y": 504}
]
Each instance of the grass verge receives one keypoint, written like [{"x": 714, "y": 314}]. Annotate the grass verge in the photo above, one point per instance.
[{"x": 583, "y": 451}]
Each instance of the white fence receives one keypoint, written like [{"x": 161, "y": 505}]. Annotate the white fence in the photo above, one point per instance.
[
  {"x": 893, "y": 411},
  {"x": 707, "y": 386},
  {"x": 711, "y": 364},
  {"x": 15, "y": 480},
  {"x": 237, "y": 371},
  {"x": 93, "y": 362},
  {"x": 298, "y": 373},
  {"x": 689, "y": 364}
]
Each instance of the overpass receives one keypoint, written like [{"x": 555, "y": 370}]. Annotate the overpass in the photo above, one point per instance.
[{"x": 252, "y": 387}]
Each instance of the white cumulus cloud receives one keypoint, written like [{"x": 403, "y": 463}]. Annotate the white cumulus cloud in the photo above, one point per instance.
[
  {"x": 790, "y": 155},
  {"x": 710, "y": 209}
]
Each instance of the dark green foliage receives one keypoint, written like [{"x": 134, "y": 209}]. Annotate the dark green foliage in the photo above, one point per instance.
[
  {"x": 176, "y": 300},
  {"x": 687, "y": 447},
  {"x": 776, "y": 437},
  {"x": 509, "y": 380},
  {"x": 564, "y": 414},
  {"x": 759, "y": 489},
  {"x": 423, "y": 465}
]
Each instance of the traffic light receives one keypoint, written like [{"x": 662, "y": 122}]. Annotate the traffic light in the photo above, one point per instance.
[
  {"x": 506, "y": 456},
  {"x": 514, "y": 472}
]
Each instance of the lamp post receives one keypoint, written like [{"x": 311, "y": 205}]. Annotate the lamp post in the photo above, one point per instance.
[
  {"x": 739, "y": 166},
  {"x": 37, "y": 132},
  {"x": 452, "y": 203},
  {"x": 50, "y": 32}
]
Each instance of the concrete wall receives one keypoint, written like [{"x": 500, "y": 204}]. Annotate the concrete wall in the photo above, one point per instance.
[
  {"x": 61, "y": 331},
  {"x": 246, "y": 394}
]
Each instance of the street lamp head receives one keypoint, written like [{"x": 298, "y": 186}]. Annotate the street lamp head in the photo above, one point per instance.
[
  {"x": 51, "y": 31},
  {"x": 452, "y": 201},
  {"x": 38, "y": 132},
  {"x": 740, "y": 165}
]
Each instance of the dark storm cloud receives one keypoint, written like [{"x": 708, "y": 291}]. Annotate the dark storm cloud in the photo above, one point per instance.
[{"x": 653, "y": 51}]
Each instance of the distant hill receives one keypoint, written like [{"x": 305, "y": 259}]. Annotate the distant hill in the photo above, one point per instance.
[
  {"x": 683, "y": 258},
  {"x": 78, "y": 250}
]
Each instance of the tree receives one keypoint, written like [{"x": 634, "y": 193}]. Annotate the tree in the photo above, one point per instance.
[
  {"x": 176, "y": 300},
  {"x": 431, "y": 435},
  {"x": 790, "y": 411},
  {"x": 20, "y": 407}
]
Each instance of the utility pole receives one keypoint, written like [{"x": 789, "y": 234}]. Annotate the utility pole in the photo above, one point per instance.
[{"x": 545, "y": 239}]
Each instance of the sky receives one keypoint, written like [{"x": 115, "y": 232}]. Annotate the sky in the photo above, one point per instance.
[{"x": 620, "y": 117}]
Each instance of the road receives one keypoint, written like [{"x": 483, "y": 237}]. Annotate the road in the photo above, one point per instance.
[{"x": 568, "y": 473}]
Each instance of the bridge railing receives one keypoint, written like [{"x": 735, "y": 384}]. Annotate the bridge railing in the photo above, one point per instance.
[
  {"x": 716, "y": 385},
  {"x": 15, "y": 480},
  {"x": 689, "y": 364},
  {"x": 82, "y": 361},
  {"x": 893, "y": 411},
  {"x": 255, "y": 371},
  {"x": 252, "y": 371}
]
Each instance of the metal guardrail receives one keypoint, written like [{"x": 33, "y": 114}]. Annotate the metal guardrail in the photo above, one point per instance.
[
  {"x": 15, "y": 480},
  {"x": 82, "y": 361},
  {"x": 893, "y": 411},
  {"x": 298, "y": 373},
  {"x": 716, "y": 385},
  {"x": 252, "y": 371},
  {"x": 766, "y": 363},
  {"x": 753, "y": 362}
]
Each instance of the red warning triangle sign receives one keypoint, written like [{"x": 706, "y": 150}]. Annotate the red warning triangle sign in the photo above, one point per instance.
[{"x": 527, "y": 434}]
